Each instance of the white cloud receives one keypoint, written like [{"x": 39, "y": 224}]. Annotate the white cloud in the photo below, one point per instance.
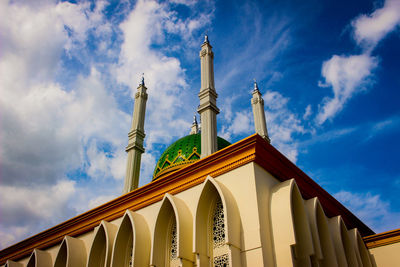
[
  {"x": 371, "y": 209},
  {"x": 307, "y": 112},
  {"x": 347, "y": 75},
  {"x": 370, "y": 29},
  {"x": 48, "y": 127},
  {"x": 54, "y": 128},
  {"x": 241, "y": 123},
  {"x": 283, "y": 124},
  {"x": 28, "y": 209}
]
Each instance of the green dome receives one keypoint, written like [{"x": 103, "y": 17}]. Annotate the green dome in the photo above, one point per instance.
[{"x": 182, "y": 152}]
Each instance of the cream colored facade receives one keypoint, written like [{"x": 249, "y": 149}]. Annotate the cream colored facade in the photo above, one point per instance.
[{"x": 265, "y": 222}]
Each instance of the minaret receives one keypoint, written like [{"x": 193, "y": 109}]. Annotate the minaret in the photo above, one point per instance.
[
  {"x": 195, "y": 127},
  {"x": 208, "y": 109},
  {"x": 136, "y": 136},
  {"x": 257, "y": 103}
]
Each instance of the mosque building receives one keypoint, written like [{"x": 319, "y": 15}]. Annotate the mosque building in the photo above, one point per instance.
[{"x": 211, "y": 203}]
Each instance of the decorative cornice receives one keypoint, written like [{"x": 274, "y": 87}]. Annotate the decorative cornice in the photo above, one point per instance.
[
  {"x": 382, "y": 239},
  {"x": 251, "y": 149}
]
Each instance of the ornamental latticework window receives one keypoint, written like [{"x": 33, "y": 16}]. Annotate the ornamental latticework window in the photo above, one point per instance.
[
  {"x": 221, "y": 261},
  {"x": 220, "y": 250},
  {"x": 218, "y": 230},
  {"x": 174, "y": 261},
  {"x": 129, "y": 252},
  {"x": 174, "y": 243}
]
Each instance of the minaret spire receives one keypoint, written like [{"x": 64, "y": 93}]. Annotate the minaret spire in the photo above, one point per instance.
[
  {"x": 257, "y": 103},
  {"x": 136, "y": 137},
  {"x": 195, "y": 126},
  {"x": 208, "y": 109}
]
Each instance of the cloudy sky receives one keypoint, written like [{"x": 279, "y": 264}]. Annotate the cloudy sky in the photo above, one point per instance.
[{"x": 329, "y": 72}]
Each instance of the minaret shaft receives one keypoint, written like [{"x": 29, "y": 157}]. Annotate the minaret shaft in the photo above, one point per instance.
[
  {"x": 257, "y": 103},
  {"x": 136, "y": 138},
  {"x": 208, "y": 109}
]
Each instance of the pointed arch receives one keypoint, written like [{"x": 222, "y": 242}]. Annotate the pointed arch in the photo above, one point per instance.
[
  {"x": 39, "y": 258},
  {"x": 101, "y": 248},
  {"x": 361, "y": 251},
  {"x": 72, "y": 253},
  {"x": 132, "y": 242},
  {"x": 212, "y": 193},
  {"x": 174, "y": 223},
  {"x": 290, "y": 227},
  {"x": 344, "y": 249},
  {"x": 323, "y": 244},
  {"x": 11, "y": 263}
]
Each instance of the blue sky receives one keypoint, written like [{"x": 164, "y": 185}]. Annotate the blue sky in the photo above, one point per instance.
[{"x": 328, "y": 71}]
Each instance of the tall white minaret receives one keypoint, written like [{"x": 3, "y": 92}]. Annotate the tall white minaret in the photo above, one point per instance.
[
  {"x": 136, "y": 136},
  {"x": 208, "y": 109},
  {"x": 257, "y": 103}
]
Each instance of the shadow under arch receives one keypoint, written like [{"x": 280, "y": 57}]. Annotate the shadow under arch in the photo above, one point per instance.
[
  {"x": 101, "y": 248},
  {"x": 290, "y": 227},
  {"x": 344, "y": 249},
  {"x": 212, "y": 191},
  {"x": 39, "y": 258},
  {"x": 172, "y": 211},
  {"x": 132, "y": 242},
  {"x": 323, "y": 244},
  {"x": 72, "y": 253}
]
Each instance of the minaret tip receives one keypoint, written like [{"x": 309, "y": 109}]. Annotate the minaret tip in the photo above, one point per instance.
[
  {"x": 255, "y": 86},
  {"x": 206, "y": 38},
  {"x": 142, "y": 81},
  {"x": 194, "y": 119},
  {"x": 195, "y": 127}
]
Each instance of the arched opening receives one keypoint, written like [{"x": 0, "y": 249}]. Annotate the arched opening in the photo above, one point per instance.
[
  {"x": 349, "y": 249},
  {"x": 72, "y": 253},
  {"x": 100, "y": 251},
  {"x": 217, "y": 227},
  {"x": 132, "y": 242},
  {"x": 39, "y": 258},
  {"x": 61, "y": 259},
  {"x": 361, "y": 248},
  {"x": 32, "y": 260},
  {"x": 291, "y": 231},
  {"x": 345, "y": 252},
  {"x": 323, "y": 245},
  {"x": 172, "y": 241}
]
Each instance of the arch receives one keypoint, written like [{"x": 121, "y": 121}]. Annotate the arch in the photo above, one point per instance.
[
  {"x": 290, "y": 227},
  {"x": 11, "y": 263},
  {"x": 72, "y": 253},
  {"x": 132, "y": 242},
  {"x": 344, "y": 249},
  {"x": 39, "y": 258},
  {"x": 361, "y": 251},
  {"x": 173, "y": 211},
  {"x": 101, "y": 248},
  {"x": 323, "y": 245},
  {"x": 211, "y": 192}
]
